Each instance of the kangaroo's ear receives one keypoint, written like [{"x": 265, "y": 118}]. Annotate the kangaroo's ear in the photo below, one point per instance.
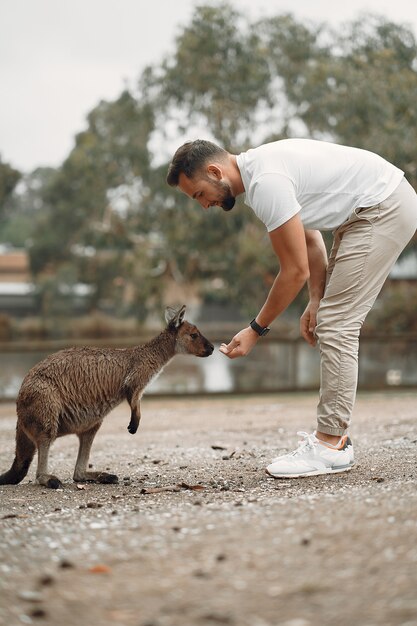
[{"x": 174, "y": 317}]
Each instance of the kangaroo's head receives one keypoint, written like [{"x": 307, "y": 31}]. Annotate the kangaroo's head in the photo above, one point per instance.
[{"x": 189, "y": 340}]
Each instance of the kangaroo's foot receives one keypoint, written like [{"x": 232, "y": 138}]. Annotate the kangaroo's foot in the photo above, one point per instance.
[
  {"x": 134, "y": 420},
  {"x": 132, "y": 428},
  {"x": 50, "y": 481},
  {"x": 96, "y": 477}
]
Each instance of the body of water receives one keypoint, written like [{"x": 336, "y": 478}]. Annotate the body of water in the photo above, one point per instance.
[{"x": 271, "y": 366}]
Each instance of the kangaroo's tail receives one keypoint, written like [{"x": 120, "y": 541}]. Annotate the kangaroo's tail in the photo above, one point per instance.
[{"x": 25, "y": 450}]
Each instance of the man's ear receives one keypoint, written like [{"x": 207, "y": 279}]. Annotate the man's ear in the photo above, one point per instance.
[{"x": 215, "y": 171}]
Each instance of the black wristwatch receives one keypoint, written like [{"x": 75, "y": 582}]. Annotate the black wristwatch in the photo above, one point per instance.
[{"x": 261, "y": 330}]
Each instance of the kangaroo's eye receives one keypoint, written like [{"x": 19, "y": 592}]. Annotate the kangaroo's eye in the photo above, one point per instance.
[{"x": 194, "y": 336}]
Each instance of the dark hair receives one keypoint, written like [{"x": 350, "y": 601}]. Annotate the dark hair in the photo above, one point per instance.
[{"x": 190, "y": 157}]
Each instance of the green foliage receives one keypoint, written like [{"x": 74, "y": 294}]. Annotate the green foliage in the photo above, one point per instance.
[
  {"x": 361, "y": 89},
  {"x": 24, "y": 207},
  {"x": 92, "y": 197},
  {"x": 9, "y": 178},
  {"x": 217, "y": 78},
  {"x": 16, "y": 230}
]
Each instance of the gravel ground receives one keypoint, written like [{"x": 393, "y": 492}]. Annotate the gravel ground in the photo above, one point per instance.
[{"x": 223, "y": 543}]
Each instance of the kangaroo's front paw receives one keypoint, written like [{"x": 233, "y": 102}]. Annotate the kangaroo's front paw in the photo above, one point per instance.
[{"x": 132, "y": 428}]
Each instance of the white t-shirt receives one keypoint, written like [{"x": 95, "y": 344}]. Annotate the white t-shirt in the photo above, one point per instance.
[{"x": 325, "y": 182}]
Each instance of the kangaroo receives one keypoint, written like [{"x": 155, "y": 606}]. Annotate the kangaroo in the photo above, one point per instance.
[{"x": 71, "y": 392}]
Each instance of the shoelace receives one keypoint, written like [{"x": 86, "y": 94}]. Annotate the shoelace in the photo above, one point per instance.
[{"x": 309, "y": 441}]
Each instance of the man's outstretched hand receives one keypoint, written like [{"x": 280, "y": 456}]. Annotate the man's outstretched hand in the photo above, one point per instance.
[{"x": 241, "y": 344}]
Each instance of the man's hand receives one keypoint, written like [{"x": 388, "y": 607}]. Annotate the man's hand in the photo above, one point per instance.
[
  {"x": 308, "y": 323},
  {"x": 241, "y": 344}
]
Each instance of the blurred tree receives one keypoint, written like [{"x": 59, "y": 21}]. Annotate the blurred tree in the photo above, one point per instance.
[
  {"x": 289, "y": 48},
  {"x": 24, "y": 206},
  {"x": 357, "y": 86},
  {"x": 92, "y": 195},
  {"x": 9, "y": 178},
  {"x": 217, "y": 77},
  {"x": 112, "y": 152}
]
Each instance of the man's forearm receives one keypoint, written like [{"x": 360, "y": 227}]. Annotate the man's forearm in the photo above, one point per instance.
[
  {"x": 317, "y": 260},
  {"x": 285, "y": 288}
]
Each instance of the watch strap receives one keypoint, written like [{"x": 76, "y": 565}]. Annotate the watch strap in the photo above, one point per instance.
[{"x": 261, "y": 330}]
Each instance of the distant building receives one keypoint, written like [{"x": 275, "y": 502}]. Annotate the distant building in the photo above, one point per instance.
[
  {"x": 14, "y": 265},
  {"x": 18, "y": 294}
]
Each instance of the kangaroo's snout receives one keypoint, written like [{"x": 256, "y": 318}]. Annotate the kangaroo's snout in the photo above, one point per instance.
[{"x": 209, "y": 348}]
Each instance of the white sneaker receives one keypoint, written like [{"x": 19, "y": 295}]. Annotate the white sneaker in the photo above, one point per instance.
[{"x": 313, "y": 457}]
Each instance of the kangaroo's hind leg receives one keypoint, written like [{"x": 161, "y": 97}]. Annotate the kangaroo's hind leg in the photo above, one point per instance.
[
  {"x": 134, "y": 401},
  {"x": 80, "y": 473},
  {"x": 42, "y": 476}
]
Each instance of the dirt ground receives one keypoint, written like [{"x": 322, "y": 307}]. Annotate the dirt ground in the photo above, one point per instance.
[{"x": 225, "y": 543}]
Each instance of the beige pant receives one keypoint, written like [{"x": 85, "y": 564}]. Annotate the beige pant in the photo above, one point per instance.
[{"x": 364, "y": 250}]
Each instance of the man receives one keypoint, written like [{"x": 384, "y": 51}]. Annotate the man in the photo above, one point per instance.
[{"x": 298, "y": 187}]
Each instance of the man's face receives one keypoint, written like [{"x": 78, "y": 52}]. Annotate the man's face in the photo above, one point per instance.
[{"x": 208, "y": 191}]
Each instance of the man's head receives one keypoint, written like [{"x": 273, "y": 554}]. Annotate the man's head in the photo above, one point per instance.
[{"x": 199, "y": 168}]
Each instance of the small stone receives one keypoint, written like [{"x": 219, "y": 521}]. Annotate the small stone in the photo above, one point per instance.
[
  {"x": 199, "y": 573},
  {"x": 46, "y": 579},
  {"x": 31, "y": 596},
  {"x": 219, "y": 618},
  {"x": 38, "y": 613}
]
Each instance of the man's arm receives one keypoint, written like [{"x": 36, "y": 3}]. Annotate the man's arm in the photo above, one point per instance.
[
  {"x": 289, "y": 244},
  {"x": 317, "y": 261}
]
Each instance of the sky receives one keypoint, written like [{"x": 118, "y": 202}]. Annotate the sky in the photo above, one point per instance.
[{"x": 59, "y": 58}]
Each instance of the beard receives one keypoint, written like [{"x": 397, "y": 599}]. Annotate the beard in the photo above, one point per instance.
[
  {"x": 227, "y": 200},
  {"x": 228, "y": 203}
]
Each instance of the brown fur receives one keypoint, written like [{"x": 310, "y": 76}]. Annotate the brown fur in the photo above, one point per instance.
[{"x": 71, "y": 391}]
